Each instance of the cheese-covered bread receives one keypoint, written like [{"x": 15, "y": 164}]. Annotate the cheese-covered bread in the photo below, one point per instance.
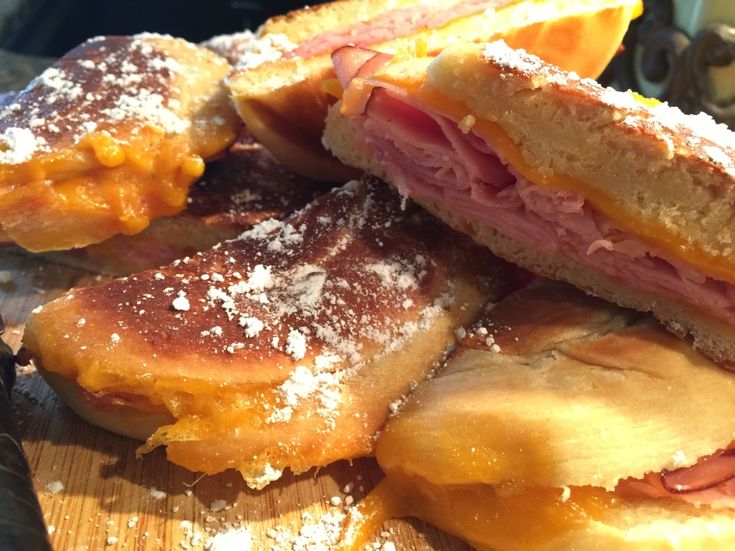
[
  {"x": 108, "y": 138},
  {"x": 563, "y": 422},
  {"x": 282, "y": 348},
  {"x": 284, "y": 82},
  {"x": 623, "y": 197}
]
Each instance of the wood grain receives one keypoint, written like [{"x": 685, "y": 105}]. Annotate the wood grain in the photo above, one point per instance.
[{"x": 111, "y": 500}]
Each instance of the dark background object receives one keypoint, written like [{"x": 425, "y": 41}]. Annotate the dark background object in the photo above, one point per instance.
[
  {"x": 21, "y": 522},
  {"x": 53, "y": 27},
  {"x": 659, "y": 51}
]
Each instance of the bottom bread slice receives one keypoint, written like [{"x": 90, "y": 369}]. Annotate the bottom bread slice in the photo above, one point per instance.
[{"x": 711, "y": 336}]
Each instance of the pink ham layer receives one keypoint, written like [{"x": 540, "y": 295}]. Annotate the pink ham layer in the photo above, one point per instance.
[
  {"x": 391, "y": 24},
  {"x": 429, "y": 157},
  {"x": 711, "y": 481}
]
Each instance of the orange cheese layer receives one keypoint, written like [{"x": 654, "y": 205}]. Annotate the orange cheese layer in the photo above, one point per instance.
[
  {"x": 97, "y": 189},
  {"x": 649, "y": 231},
  {"x": 486, "y": 517},
  {"x": 580, "y": 36}
]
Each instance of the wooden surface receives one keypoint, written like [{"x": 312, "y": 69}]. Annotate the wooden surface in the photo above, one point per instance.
[{"x": 111, "y": 500}]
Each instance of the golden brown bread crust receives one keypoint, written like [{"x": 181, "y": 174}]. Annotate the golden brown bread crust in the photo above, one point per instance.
[
  {"x": 280, "y": 348},
  {"x": 109, "y": 137},
  {"x": 564, "y": 368}
]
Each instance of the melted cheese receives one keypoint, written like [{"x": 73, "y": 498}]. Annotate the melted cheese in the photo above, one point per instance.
[
  {"x": 101, "y": 187},
  {"x": 651, "y": 232},
  {"x": 486, "y": 517}
]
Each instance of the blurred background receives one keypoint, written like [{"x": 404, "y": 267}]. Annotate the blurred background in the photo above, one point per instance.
[{"x": 49, "y": 28}]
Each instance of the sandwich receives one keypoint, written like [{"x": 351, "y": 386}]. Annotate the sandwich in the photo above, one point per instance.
[
  {"x": 242, "y": 188},
  {"x": 283, "y": 348},
  {"x": 284, "y": 83},
  {"x": 108, "y": 138},
  {"x": 563, "y": 422},
  {"x": 624, "y": 197}
]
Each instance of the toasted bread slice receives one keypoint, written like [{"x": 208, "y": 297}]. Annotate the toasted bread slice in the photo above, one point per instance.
[
  {"x": 546, "y": 408},
  {"x": 283, "y": 348},
  {"x": 284, "y": 84},
  {"x": 623, "y": 197},
  {"x": 108, "y": 138},
  {"x": 236, "y": 192}
]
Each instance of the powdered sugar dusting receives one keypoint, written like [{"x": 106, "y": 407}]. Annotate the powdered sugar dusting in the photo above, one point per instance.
[
  {"x": 290, "y": 326},
  {"x": 268, "y": 48},
  {"x": 268, "y": 475},
  {"x": 17, "y": 145},
  {"x": 231, "y": 46},
  {"x": 108, "y": 84},
  {"x": 698, "y": 135}
]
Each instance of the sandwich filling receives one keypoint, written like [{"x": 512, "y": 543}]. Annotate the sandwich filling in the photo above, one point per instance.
[{"x": 433, "y": 155}]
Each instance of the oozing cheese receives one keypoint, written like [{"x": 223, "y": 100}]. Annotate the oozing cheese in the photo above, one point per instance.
[
  {"x": 101, "y": 187},
  {"x": 486, "y": 517}
]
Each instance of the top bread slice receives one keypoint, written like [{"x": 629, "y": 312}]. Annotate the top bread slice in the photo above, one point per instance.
[
  {"x": 655, "y": 172},
  {"x": 655, "y": 163}
]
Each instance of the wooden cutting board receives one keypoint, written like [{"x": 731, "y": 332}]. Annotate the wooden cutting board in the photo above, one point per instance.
[{"x": 95, "y": 494}]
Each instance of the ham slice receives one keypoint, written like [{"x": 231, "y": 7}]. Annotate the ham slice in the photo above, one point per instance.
[
  {"x": 431, "y": 158},
  {"x": 711, "y": 481}
]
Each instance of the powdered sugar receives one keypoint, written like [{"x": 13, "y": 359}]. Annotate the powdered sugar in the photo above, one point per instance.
[
  {"x": 519, "y": 60},
  {"x": 239, "y": 539},
  {"x": 265, "y": 49},
  {"x": 231, "y": 46},
  {"x": 18, "y": 145},
  {"x": 96, "y": 87},
  {"x": 268, "y": 475},
  {"x": 296, "y": 344}
]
